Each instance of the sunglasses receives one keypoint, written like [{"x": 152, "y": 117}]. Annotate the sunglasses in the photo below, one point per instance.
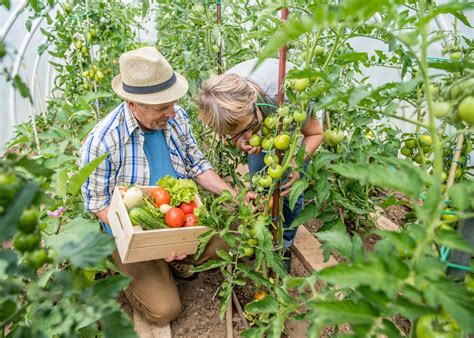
[{"x": 253, "y": 125}]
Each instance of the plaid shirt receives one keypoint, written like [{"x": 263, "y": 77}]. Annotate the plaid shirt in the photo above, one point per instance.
[{"x": 119, "y": 135}]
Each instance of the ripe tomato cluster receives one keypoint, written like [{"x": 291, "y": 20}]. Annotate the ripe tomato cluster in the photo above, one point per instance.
[{"x": 175, "y": 217}]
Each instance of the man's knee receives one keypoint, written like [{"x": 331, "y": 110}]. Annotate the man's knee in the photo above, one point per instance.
[{"x": 161, "y": 313}]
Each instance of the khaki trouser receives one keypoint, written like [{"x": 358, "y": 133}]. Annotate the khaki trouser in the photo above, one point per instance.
[{"x": 153, "y": 291}]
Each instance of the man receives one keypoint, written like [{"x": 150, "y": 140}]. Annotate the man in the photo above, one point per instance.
[
  {"x": 235, "y": 104},
  {"x": 147, "y": 137}
]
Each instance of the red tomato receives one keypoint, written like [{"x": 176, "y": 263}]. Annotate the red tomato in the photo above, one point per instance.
[
  {"x": 160, "y": 196},
  {"x": 175, "y": 218},
  {"x": 188, "y": 208},
  {"x": 191, "y": 220}
]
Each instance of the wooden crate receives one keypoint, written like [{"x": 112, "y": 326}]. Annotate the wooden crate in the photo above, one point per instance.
[{"x": 137, "y": 245}]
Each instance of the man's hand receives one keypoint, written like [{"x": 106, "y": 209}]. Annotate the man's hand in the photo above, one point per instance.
[
  {"x": 286, "y": 188},
  {"x": 174, "y": 257}
]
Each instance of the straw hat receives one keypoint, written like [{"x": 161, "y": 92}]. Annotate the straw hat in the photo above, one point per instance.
[{"x": 146, "y": 77}]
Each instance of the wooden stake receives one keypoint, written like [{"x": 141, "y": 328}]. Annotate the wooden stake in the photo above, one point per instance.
[
  {"x": 228, "y": 314},
  {"x": 454, "y": 163}
]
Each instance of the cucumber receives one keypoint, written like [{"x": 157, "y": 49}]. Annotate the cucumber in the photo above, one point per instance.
[{"x": 143, "y": 217}]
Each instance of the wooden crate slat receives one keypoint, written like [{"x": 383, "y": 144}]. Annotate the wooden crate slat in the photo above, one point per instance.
[
  {"x": 165, "y": 236},
  {"x": 147, "y": 253}
]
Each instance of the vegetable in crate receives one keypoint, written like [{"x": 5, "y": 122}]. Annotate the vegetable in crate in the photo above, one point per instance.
[
  {"x": 180, "y": 190},
  {"x": 133, "y": 197},
  {"x": 147, "y": 216}
]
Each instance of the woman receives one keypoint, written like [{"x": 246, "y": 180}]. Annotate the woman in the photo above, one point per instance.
[{"x": 236, "y": 103}]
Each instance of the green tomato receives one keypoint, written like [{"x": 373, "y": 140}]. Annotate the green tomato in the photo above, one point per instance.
[
  {"x": 434, "y": 89},
  {"x": 9, "y": 185},
  {"x": 418, "y": 159},
  {"x": 265, "y": 181},
  {"x": 444, "y": 176},
  {"x": 410, "y": 143},
  {"x": 300, "y": 84},
  {"x": 265, "y": 131},
  {"x": 466, "y": 110},
  {"x": 426, "y": 149},
  {"x": 299, "y": 116},
  {"x": 455, "y": 56},
  {"x": 428, "y": 326},
  {"x": 26, "y": 242},
  {"x": 37, "y": 258},
  {"x": 459, "y": 173},
  {"x": 275, "y": 171},
  {"x": 28, "y": 220},
  {"x": 333, "y": 137},
  {"x": 255, "y": 140},
  {"x": 426, "y": 140},
  {"x": 248, "y": 251},
  {"x": 270, "y": 122},
  {"x": 78, "y": 44},
  {"x": 287, "y": 120},
  {"x": 267, "y": 143},
  {"x": 448, "y": 216},
  {"x": 282, "y": 142},
  {"x": 7, "y": 308},
  {"x": 270, "y": 158},
  {"x": 3, "y": 50},
  {"x": 318, "y": 50},
  {"x": 252, "y": 242},
  {"x": 405, "y": 151},
  {"x": 441, "y": 109}
]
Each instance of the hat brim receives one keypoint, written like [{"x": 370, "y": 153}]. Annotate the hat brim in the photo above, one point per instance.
[{"x": 175, "y": 92}]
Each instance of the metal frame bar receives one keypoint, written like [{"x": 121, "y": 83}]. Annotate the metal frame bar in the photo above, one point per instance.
[{"x": 11, "y": 19}]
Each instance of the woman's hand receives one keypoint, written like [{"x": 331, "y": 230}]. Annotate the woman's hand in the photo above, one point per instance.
[
  {"x": 242, "y": 142},
  {"x": 286, "y": 188}
]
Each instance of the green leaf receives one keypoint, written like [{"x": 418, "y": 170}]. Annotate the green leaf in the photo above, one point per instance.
[
  {"x": 34, "y": 168},
  {"x": 287, "y": 32},
  {"x": 309, "y": 212},
  {"x": 110, "y": 287},
  {"x": 224, "y": 255},
  {"x": 90, "y": 251},
  {"x": 296, "y": 190},
  {"x": 455, "y": 299},
  {"x": 21, "y": 87},
  {"x": 336, "y": 239},
  {"x": 209, "y": 265},
  {"x": 203, "y": 240},
  {"x": 370, "y": 273},
  {"x": 454, "y": 240},
  {"x": 345, "y": 311},
  {"x": 266, "y": 305},
  {"x": 74, "y": 231},
  {"x": 405, "y": 180},
  {"x": 21, "y": 201},
  {"x": 357, "y": 95},
  {"x": 117, "y": 322},
  {"x": 462, "y": 195},
  {"x": 455, "y": 8},
  {"x": 78, "y": 179}
]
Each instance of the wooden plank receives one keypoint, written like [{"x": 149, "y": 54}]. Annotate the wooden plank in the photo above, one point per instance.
[
  {"x": 161, "y": 251},
  {"x": 308, "y": 250},
  {"x": 382, "y": 222},
  {"x": 145, "y": 329},
  {"x": 157, "y": 237}
]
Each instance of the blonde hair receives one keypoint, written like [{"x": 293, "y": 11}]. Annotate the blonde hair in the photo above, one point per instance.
[{"x": 225, "y": 102}]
